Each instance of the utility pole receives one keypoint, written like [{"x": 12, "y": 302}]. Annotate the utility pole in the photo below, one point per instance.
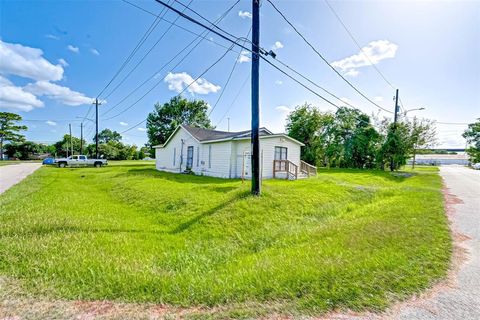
[
  {"x": 71, "y": 144},
  {"x": 255, "y": 143},
  {"x": 81, "y": 137},
  {"x": 96, "y": 127},
  {"x": 394, "y": 126},
  {"x": 228, "y": 124}
]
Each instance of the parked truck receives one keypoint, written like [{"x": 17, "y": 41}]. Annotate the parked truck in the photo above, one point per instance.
[{"x": 80, "y": 160}]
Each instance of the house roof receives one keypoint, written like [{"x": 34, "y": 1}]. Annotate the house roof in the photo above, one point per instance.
[{"x": 209, "y": 135}]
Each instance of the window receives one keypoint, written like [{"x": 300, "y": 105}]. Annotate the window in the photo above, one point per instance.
[
  {"x": 198, "y": 155},
  {"x": 82, "y": 158},
  {"x": 209, "y": 156},
  {"x": 75, "y": 158},
  {"x": 280, "y": 153},
  {"x": 174, "y": 155}
]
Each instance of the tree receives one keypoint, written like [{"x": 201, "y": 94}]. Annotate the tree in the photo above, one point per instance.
[
  {"x": 397, "y": 146},
  {"x": 63, "y": 147},
  {"x": 307, "y": 124},
  {"x": 9, "y": 130},
  {"x": 422, "y": 135},
  {"x": 107, "y": 135},
  {"x": 472, "y": 135},
  {"x": 165, "y": 118}
]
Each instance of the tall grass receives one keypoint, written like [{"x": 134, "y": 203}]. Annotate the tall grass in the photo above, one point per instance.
[{"x": 346, "y": 239}]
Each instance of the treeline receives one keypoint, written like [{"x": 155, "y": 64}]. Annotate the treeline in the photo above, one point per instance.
[
  {"x": 350, "y": 138},
  {"x": 110, "y": 147}
]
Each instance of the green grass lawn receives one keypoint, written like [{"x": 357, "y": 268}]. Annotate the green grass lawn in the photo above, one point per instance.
[{"x": 347, "y": 239}]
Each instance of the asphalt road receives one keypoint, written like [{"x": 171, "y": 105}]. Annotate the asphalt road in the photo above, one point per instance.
[
  {"x": 462, "y": 299},
  {"x": 14, "y": 173}
]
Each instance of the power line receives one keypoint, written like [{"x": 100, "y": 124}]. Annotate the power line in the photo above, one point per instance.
[
  {"x": 358, "y": 45},
  {"x": 203, "y": 36},
  {"x": 144, "y": 56},
  {"x": 234, "y": 99},
  {"x": 235, "y": 62},
  {"x": 134, "y": 51},
  {"x": 184, "y": 89},
  {"x": 325, "y": 60}
]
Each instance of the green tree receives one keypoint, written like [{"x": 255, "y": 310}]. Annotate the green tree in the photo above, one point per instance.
[
  {"x": 308, "y": 125},
  {"x": 63, "y": 147},
  {"x": 472, "y": 135},
  {"x": 165, "y": 118},
  {"x": 107, "y": 135},
  {"x": 9, "y": 129},
  {"x": 422, "y": 135},
  {"x": 397, "y": 146},
  {"x": 352, "y": 141}
]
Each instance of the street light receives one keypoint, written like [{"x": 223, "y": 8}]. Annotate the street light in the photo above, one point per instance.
[{"x": 416, "y": 109}]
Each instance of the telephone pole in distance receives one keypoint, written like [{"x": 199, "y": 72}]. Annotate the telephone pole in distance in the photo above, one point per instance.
[{"x": 395, "y": 117}]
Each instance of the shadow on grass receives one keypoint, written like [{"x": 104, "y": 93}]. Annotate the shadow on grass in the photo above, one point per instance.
[
  {"x": 396, "y": 176},
  {"x": 175, "y": 177},
  {"x": 188, "y": 224}
]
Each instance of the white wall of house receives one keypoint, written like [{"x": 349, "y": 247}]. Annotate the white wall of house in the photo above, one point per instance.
[
  {"x": 169, "y": 158},
  {"x": 224, "y": 159}
]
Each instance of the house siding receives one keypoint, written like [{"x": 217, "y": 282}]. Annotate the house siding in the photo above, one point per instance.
[{"x": 221, "y": 159}]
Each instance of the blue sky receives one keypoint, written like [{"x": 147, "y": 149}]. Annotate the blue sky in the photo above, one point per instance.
[{"x": 56, "y": 56}]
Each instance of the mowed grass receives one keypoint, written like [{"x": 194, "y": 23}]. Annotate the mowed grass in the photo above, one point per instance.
[{"x": 347, "y": 239}]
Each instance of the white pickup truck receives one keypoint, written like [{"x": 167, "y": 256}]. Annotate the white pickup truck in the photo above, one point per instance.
[{"x": 80, "y": 160}]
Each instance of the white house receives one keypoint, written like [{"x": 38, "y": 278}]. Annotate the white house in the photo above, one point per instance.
[{"x": 227, "y": 154}]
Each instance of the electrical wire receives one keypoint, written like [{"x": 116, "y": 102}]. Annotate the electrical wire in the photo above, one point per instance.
[
  {"x": 202, "y": 35},
  {"x": 144, "y": 56},
  {"x": 358, "y": 45},
  {"x": 135, "y": 50},
  {"x": 188, "y": 86},
  {"x": 323, "y": 58}
]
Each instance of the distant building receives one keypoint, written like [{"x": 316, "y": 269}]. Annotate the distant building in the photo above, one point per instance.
[{"x": 441, "y": 159}]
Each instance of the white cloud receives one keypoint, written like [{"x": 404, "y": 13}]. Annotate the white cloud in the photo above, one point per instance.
[
  {"x": 27, "y": 62},
  {"x": 352, "y": 73},
  {"x": 244, "y": 57},
  {"x": 95, "y": 51},
  {"x": 373, "y": 53},
  {"x": 378, "y": 99},
  {"x": 51, "y": 36},
  {"x": 63, "y": 62},
  {"x": 123, "y": 123},
  {"x": 142, "y": 129},
  {"x": 51, "y": 123},
  {"x": 179, "y": 81},
  {"x": 55, "y": 92},
  {"x": 278, "y": 82},
  {"x": 277, "y": 45},
  {"x": 16, "y": 98},
  {"x": 73, "y": 48},
  {"x": 283, "y": 109},
  {"x": 244, "y": 14}
]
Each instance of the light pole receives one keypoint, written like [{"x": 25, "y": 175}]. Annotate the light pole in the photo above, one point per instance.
[{"x": 416, "y": 109}]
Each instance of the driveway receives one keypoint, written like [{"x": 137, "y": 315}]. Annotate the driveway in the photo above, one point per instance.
[
  {"x": 462, "y": 299},
  {"x": 14, "y": 173}
]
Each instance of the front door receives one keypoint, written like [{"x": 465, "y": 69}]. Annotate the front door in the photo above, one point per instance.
[{"x": 189, "y": 157}]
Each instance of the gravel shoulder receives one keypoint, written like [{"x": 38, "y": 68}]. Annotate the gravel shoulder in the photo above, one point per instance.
[
  {"x": 13, "y": 174},
  {"x": 459, "y": 297}
]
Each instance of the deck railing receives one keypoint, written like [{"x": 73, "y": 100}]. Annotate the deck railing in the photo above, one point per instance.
[
  {"x": 308, "y": 169},
  {"x": 285, "y": 166}
]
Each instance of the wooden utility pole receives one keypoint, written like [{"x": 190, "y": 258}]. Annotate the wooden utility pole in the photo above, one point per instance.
[
  {"x": 392, "y": 164},
  {"x": 71, "y": 144},
  {"x": 96, "y": 128},
  {"x": 81, "y": 137},
  {"x": 255, "y": 143}
]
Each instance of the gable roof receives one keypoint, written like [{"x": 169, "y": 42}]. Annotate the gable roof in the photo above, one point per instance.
[
  {"x": 203, "y": 135},
  {"x": 210, "y": 135}
]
